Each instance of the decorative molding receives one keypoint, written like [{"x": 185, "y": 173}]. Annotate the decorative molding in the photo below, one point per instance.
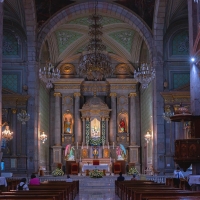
[
  {"x": 122, "y": 87},
  {"x": 77, "y": 94},
  {"x": 132, "y": 94},
  {"x": 72, "y": 87},
  {"x": 68, "y": 69},
  {"x": 113, "y": 94},
  {"x": 57, "y": 94},
  {"x": 14, "y": 110}
]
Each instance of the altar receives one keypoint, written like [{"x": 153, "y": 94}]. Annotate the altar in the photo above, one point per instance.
[{"x": 92, "y": 167}]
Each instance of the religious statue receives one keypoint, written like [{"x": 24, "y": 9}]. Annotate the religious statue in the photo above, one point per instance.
[
  {"x": 122, "y": 126},
  {"x": 121, "y": 152},
  {"x": 69, "y": 152},
  {"x": 67, "y": 125}
]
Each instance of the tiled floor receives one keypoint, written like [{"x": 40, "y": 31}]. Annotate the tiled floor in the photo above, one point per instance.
[{"x": 96, "y": 189}]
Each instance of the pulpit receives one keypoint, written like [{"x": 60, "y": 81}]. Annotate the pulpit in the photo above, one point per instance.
[
  {"x": 117, "y": 168},
  {"x": 74, "y": 168},
  {"x": 68, "y": 166},
  {"x": 123, "y": 166}
]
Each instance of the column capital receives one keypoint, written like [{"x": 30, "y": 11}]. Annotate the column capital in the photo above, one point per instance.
[
  {"x": 132, "y": 94},
  {"x": 87, "y": 119},
  {"x": 77, "y": 94},
  {"x": 14, "y": 110},
  {"x": 57, "y": 94},
  {"x": 113, "y": 94},
  {"x": 103, "y": 118}
]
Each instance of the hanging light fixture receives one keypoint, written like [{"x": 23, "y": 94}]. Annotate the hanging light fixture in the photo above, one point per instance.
[
  {"x": 7, "y": 134},
  {"x": 23, "y": 116},
  {"x": 49, "y": 75},
  {"x": 43, "y": 137},
  {"x": 167, "y": 114},
  {"x": 95, "y": 63},
  {"x": 145, "y": 74}
]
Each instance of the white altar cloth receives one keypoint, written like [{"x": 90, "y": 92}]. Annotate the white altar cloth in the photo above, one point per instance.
[
  {"x": 194, "y": 179},
  {"x": 92, "y": 167},
  {"x": 3, "y": 181}
]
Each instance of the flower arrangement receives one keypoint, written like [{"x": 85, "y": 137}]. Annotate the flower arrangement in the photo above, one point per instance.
[
  {"x": 58, "y": 172},
  {"x": 96, "y": 174},
  {"x": 133, "y": 170}
]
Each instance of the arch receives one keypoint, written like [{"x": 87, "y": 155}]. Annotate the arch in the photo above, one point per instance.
[{"x": 81, "y": 9}]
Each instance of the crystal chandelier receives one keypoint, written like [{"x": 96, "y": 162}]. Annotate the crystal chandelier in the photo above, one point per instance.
[
  {"x": 6, "y": 134},
  {"x": 95, "y": 63},
  {"x": 23, "y": 116},
  {"x": 43, "y": 137},
  {"x": 48, "y": 75},
  {"x": 145, "y": 74},
  {"x": 167, "y": 114}
]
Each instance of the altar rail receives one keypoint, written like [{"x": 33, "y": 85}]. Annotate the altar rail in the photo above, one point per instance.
[{"x": 157, "y": 179}]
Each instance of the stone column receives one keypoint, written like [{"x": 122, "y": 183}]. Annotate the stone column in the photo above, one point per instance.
[
  {"x": 77, "y": 119},
  {"x": 83, "y": 119},
  {"x": 132, "y": 120},
  {"x": 107, "y": 141},
  {"x": 1, "y": 46},
  {"x": 57, "y": 132},
  {"x": 14, "y": 128},
  {"x": 113, "y": 130}
]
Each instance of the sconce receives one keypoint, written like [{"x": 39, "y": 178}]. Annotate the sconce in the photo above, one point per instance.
[
  {"x": 6, "y": 134},
  {"x": 147, "y": 136},
  {"x": 43, "y": 137},
  {"x": 167, "y": 114}
]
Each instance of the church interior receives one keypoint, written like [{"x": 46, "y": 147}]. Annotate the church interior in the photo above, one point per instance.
[{"x": 114, "y": 81}]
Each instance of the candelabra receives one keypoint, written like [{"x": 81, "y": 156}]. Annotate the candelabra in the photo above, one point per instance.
[
  {"x": 43, "y": 137},
  {"x": 7, "y": 134},
  {"x": 23, "y": 116}
]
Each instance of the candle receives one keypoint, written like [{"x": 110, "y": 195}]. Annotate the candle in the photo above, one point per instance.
[{"x": 113, "y": 145}]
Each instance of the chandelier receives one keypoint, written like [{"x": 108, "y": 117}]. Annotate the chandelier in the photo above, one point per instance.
[
  {"x": 23, "y": 116},
  {"x": 145, "y": 74},
  {"x": 48, "y": 75},
  {"x": 167, "y": 114},
  {"x": 95, "y": 63},
  {"x": 43, "y": 137},
  {"x": 6, "y": 134}
]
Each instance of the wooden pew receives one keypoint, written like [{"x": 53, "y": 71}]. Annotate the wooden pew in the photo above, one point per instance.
[
  {"x": 73, "y": 186},
  {"x": 65, "y": 188},
  {"x": 174, "y": 198},
  {"x": 133, "y": 190},
  {"x": 27, "y": 197},
  {"x": 142, "y": 194},
  {"x": 58, "y": 193}
]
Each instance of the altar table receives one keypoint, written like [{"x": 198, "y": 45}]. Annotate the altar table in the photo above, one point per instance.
[
  {"x": 194, "y": 179},
  {"x": 92, "y": 167},
  {"x": 3, "y": 181}
]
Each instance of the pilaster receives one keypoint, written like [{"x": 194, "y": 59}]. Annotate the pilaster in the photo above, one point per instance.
[
  {"x": 77, "y": 119},
  {"x": 113, "y": 117},
  {"x": 132, "y": 114}
]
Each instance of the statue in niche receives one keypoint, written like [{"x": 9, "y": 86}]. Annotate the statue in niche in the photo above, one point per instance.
[
  {"x": 122, "y": 126},
  {"x": 68, "y": 125},
  {"x": 95, "y": 128},
  {"x": 95, "y": 152}
]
